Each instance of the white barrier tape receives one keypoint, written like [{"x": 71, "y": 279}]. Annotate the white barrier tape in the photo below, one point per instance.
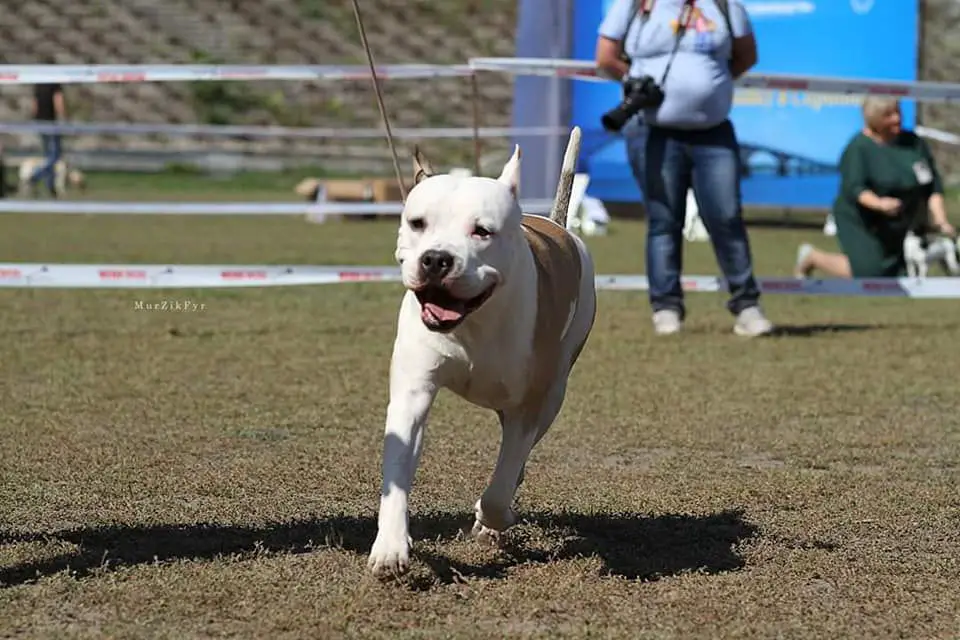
[
  {"x": 580, "y": 69},
  {"x": 111, "y": 73},
  {"x": 586, "y": 70},
  {"x": 243, "y": 131},
  {"x": 936, "y": 134},
  {"x": 539, "y": 207},
  {"x": 318, "y": 133},
  {"x": 137, "y": 276},
  {"x": 930, "y": 288},
  {"x": 140, "y": 276},
  {"x": 559, "y": 68}
]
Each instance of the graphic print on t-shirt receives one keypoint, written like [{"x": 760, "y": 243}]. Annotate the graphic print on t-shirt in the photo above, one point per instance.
[{"x": 703, "y": 29}]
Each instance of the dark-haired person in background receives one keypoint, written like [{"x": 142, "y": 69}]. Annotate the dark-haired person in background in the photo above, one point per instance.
[
  {"x": 49, "y": 105},
  {"x": 4, "y": 187}
]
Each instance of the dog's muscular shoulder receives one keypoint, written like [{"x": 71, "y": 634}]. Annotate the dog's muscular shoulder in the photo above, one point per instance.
[{"x": 559, "y": 271}]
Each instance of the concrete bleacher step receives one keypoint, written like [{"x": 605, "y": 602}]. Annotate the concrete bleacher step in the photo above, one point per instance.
[{"x": 266, "y": 31}]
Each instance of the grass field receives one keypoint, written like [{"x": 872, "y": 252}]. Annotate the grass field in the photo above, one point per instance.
[{"x": 216, "y": 473}]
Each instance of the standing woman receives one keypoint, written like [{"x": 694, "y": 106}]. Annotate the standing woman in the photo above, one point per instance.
[{"x": 693, "y": 50}]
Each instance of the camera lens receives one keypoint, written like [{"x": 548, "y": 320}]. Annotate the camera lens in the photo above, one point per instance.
[{"x": 639, "y": 93}]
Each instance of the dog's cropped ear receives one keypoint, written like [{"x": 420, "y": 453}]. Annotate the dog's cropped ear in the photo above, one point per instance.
[
  {"x": 510, "y": 175},
  {"x": 421, "y": 166}
]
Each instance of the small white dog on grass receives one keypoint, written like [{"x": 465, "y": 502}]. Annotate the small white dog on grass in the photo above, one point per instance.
[
  {"x": 497, "y": 309},
  {"x": 919, "y": 252},
  {"x": 63, "y": 177}
]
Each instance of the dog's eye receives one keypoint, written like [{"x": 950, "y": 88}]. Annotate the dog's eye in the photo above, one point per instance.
[
  {"x": 482, "y": 232},
  {"x": 417, "y": 224}
]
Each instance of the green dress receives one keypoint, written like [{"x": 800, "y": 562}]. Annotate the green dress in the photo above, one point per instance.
[{"x": 902, "y": 169}]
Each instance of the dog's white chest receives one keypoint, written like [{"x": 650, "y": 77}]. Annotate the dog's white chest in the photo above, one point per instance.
[{"x": 493, "y": 378}]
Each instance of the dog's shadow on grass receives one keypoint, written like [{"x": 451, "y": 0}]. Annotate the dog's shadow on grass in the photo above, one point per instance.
[
  {"x": 628, "y": 545},
  {"x": 811, "y": 330}
]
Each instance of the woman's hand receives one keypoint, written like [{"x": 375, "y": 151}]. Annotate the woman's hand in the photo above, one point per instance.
[
  {"x": 886, "y": 206},
  {"x": 946, "y": 229},
  {"x": 608, "y": 58},
  {"x": 938, "y": 212},
  {"x": 889, "y": 206}
]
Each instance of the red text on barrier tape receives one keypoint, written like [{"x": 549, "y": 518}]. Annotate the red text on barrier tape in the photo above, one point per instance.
[
  {"x": 888, "y": 89},
  {"x": 781, "y": 286},
  {"x": 122, "y": 274},
  {"x": 358, "y": 276},
  {"x": 788, "y": 85},
  {"x": 121, "y": 77},
  {"x": 244, "y": 275},
  {"x": 880, "y": 286}
]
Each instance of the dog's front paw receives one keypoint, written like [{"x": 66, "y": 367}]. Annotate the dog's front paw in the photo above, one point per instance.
[{"x": 389, "y": 556}]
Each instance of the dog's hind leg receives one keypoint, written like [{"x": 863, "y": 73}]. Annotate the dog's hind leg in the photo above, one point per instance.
[
  {"x": 494, "y": 509},
  {"x": 559, "y": 392},
  {"x": 520, "y": 434}
]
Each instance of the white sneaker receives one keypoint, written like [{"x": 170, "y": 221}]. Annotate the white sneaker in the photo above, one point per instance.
[
  {"x": 752, "y": 323},
  {"x": 803, "y": 251},
  {"x": 830, "y": 226},
  {"x": 666, "y": 322}
]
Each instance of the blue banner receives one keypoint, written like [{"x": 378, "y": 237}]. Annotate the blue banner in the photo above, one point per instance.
[{"x": 791, "y": 140}]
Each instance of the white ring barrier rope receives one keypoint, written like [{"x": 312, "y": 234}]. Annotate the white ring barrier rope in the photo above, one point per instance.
[
  {"x": 936, "y": 134},
  {"x": 929, "y": 288},
  {"x": 147, "y": 276},
  {"x": 318, "y": 133},
  {"x": 533, "y": 206},
  {"x": 112, "y": 73},
  {"x": 587, "y": 70},
  {"x": 31, "y": 275},
  {"x": 577, "y": 69},
  {"x": 250, "y": 131},
  {"x": 139, "y": 276}
]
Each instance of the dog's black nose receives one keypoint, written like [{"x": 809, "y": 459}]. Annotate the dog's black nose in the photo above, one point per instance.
[{"x": 436, "y": 265}]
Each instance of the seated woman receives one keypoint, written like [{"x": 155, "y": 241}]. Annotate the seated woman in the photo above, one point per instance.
[{"x": 889, "y": 184}]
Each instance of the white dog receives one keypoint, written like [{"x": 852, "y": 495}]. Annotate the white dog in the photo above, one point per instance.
[
  {"x": 920, "y": 252},
  {"x": 587, "y": 216},
  {"x": 497, "y": 309},
  {"x": 63, "y": 176}
]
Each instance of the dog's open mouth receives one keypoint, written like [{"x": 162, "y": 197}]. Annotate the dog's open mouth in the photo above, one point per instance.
[{"x": 442, "y": 311}]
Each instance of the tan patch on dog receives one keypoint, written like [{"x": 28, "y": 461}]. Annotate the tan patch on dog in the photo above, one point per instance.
[{"x": 558, "y": 287}]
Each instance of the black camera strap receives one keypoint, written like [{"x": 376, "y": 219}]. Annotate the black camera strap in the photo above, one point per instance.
[
  {"x": 683, "y": 23},
  {"x": 640, "y": 8}
]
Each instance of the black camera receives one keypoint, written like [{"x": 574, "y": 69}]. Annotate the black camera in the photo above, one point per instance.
[{"x": 638, "y": 94}]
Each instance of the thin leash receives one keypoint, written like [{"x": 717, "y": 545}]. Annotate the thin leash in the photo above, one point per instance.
[
  {"x": 383, "y": 109},
  {"x": 475, "y": 99}
]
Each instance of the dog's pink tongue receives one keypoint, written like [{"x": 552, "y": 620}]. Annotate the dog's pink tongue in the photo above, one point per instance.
[{"x": 442, "y": 314}]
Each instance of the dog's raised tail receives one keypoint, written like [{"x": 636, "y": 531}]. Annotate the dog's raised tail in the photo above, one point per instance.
[{"x": 561, "y": 203}]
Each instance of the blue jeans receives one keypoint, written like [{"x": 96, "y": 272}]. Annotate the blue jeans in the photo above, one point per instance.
[
  {"x": 666, "y": 163},
  {"x": 51, "y": 152}
]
